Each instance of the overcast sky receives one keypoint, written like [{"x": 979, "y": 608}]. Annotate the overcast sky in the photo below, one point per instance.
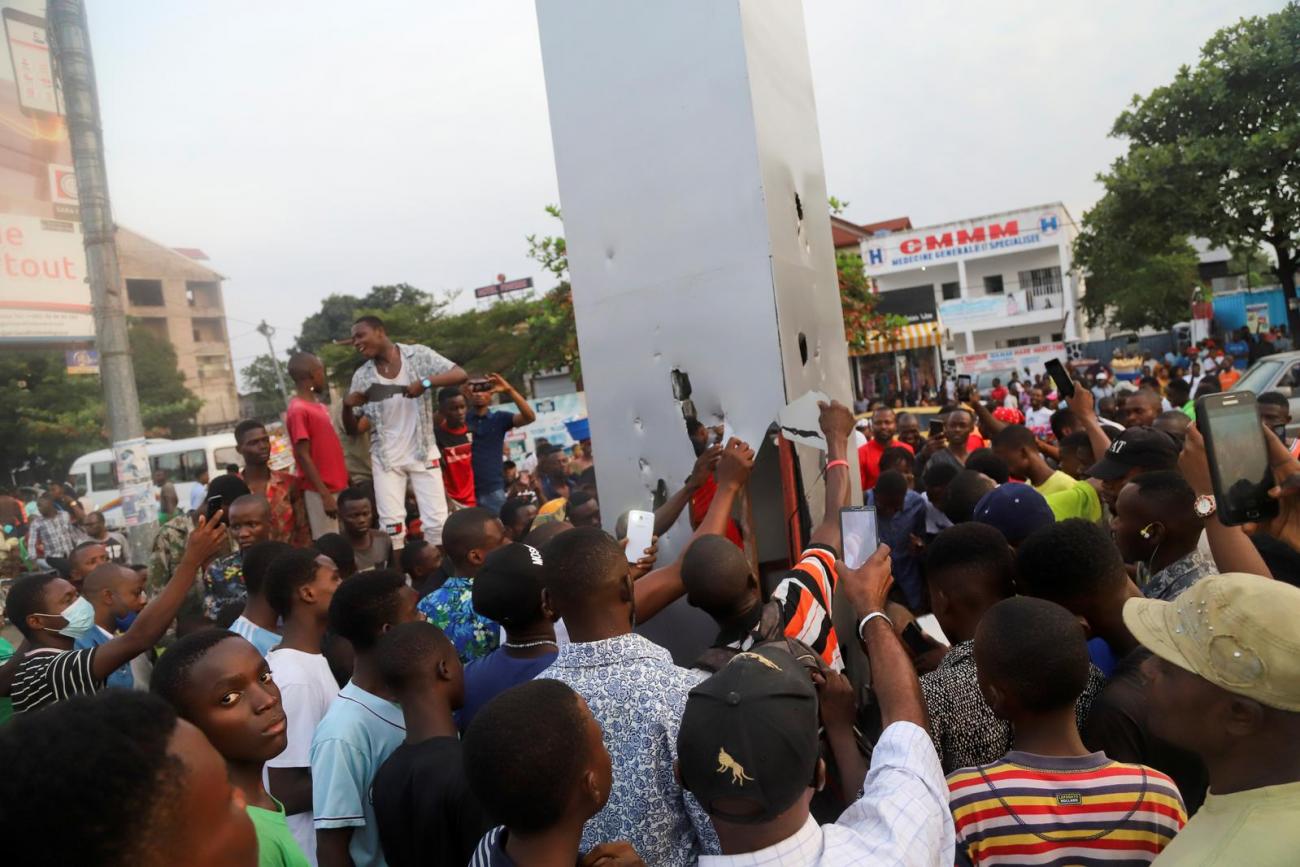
[{"x": 316, "y": 146}]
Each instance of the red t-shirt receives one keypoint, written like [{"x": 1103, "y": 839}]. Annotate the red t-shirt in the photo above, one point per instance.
[
  {"x": 308, "y": 420},
  {"x": 457, "y": 463},
  {"x": 700, "y": 507},
  {"x": 869, "y": 460}
]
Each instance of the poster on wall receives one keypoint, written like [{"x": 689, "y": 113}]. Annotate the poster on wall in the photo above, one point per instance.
[
  {"x": 1257, "y": 318},
  {"x": 44, "y": 297}
]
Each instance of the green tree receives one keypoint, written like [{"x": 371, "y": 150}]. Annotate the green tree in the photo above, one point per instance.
[
  {"x": 1140, "y": 273},
  {"x": 52, "y": 417},
  {"x": 862, "y": 323},
  {"x": 1216, "y": 153},
  {"x": 261, "y": 385},
  {"x": 550, "y": 330}
]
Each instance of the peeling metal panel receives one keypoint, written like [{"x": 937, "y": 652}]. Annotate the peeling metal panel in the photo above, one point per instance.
[{"x": 683, "y": 132}]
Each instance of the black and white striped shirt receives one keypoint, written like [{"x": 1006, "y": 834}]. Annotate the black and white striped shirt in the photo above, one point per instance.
[
  {"x": 491, "y": 850},
  {"x": 47, "y": 675}
]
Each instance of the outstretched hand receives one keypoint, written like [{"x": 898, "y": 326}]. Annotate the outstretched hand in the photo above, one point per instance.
[
  {"x": 735, "y": 464},
  {"x": 705, "y": 464},
  {"x": 1286, "y": 475},
  {"x": 867, "y": 587},
  {"x": 206, "y": 540},
  {"x": 836, "y": 421}
]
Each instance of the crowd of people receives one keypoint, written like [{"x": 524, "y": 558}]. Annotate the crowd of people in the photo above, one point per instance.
[{"x": 1057, "y": 654}]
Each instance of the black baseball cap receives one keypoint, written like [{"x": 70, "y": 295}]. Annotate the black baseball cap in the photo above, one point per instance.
[
  {"x": 1142, "y": 448},
  {"x": 749, "y": 734},
  {"x": 508, "y": 586}
]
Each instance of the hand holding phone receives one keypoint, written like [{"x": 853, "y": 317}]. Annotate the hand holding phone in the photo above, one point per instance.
[
  {"x": 1238, "y": 457},
  {"x": 858, "y": 534},
  {"x": 640, "y": 534},
  {"x": 1064, "y": 385}
]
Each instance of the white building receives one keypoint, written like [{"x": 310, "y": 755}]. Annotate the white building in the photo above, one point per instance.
[{"x": 998, "y": 281}]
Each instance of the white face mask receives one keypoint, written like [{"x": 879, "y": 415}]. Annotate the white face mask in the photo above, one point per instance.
[{"x": 80, "y": 616}]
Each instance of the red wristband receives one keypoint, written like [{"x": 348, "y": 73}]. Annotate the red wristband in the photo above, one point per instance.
[{"x": 838, "y": 463}]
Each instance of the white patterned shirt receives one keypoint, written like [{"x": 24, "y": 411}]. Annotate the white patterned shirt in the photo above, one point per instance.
[
  {"x": 901, "y": 817},
  {"x": 637, "y": 695},
  {"x": 419, "y": 362}
]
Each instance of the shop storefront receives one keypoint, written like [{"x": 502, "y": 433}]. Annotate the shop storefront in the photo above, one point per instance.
[{"x": 905, "y": 363}]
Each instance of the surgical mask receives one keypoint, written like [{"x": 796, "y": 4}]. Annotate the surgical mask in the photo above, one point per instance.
[{"x": 80, "y": 616}]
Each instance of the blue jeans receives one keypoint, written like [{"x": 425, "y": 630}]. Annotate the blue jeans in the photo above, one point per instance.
[{"x": 493, "y": 501}]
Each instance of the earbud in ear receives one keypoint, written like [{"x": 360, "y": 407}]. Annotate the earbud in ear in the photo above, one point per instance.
[{"x": 1145, "y": 532}]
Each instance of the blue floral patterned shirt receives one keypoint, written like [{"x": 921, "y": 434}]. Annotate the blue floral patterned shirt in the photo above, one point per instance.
[
  {"x": 638, "y": 695},
  {"x": 451, "y": 609}
]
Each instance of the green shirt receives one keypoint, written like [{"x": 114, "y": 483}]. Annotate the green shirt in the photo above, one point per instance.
[
  {"x": 1080, "y": 500},
  {"x": 1255, "y": 827},
  {"x": 275, "y": 844},
  {"x": 1056, "y": 482}
]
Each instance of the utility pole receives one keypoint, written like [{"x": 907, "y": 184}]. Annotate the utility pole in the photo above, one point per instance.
[
  {"x": 70, "y": 41},
  {"x": 268, "y": 332}
]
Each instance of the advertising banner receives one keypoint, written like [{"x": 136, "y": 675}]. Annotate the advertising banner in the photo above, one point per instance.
[
  {"x": 966, "y": 239},
  {"x": 44, "y": 296},
  {"x": 553, "y": 416}
]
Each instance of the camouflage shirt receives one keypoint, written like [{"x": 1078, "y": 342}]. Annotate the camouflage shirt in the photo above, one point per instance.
[{"x": 168, "y": 549}]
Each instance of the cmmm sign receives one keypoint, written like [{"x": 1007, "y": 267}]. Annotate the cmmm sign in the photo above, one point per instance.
[{"x": 983, "y": 236}]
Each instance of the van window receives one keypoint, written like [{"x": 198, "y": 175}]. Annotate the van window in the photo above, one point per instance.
[
  {"x": 181, "y": 466},
  {"x": 225, "y": 456},
  {"x": 103, "y": 476}
]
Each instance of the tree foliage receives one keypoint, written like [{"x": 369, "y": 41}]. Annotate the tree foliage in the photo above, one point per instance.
[
  {"x": 1215, "y": 153},
  {"x": 52, "y": 417}
]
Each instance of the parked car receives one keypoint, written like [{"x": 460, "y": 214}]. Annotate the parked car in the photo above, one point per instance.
[{"x": 1281, "y": 373}]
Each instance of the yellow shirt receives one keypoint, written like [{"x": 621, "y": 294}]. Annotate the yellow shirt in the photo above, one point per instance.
[
  {"x": 1056, "y": 482},
  {"x": 1080, "y": 500},
  {"x": 1256, "y": 827}
]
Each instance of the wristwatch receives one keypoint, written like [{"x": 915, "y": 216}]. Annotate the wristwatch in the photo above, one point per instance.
[
  {"x": 1204, "y": 506},
  {"x": 427, "y": 383}
]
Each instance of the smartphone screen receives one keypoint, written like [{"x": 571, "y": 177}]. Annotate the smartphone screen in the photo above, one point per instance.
[
  {"x": 858, "y": 531},
  {"x": 914, "y": 638},
  {"x": 1238, "y": 453},
  {"x": 936, "y": 426},
  {"x": 1064, "y": 385},
  {"x": 640, "y": 532},
  {"x": 963, "y": 381},
  {"x": 29, "y": 51}
]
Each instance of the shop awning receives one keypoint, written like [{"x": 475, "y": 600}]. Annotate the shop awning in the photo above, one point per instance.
[{"x": 914, "y": 336}]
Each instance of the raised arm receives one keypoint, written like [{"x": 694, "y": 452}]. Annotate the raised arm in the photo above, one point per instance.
[
  {"x": 837, "y": 424},
  {"x": 667, "y": 514},
  {"x": 1084, "y": 405},
  {"x": 660, "y": 588},
  {"x": 203, "y": 544},
  {"x": 893, "y": 677},
  {"x": 526, "y": 415}
]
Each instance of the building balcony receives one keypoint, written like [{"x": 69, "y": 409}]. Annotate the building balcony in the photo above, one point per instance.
[{"x": 986, "y": 312}]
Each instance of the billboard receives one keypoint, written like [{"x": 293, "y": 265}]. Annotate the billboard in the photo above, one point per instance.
[
  {"x": 967, "y": 239},
  {"x": 44, "y": 296}
]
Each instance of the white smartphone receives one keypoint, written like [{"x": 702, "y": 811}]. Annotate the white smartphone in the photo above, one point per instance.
[
  {"x": 859, "y": 535},
  {"x": 640, "y": 533}
]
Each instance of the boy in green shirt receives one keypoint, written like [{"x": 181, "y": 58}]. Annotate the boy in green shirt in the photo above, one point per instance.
[{"x": 219, "y": 682}]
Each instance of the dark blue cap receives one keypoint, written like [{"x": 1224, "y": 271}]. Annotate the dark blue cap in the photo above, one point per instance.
[{"x": 1015, "y": 509}]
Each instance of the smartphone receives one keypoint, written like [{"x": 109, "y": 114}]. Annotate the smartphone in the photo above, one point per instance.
[
  {"x": 480, "y": 385},
  {"x": 914, "y": 638},
  {"x": 963, "y": 380},
  {"x": 858, "y": 532},
  {"x": 214, "y": 503},
  {"x": 1238, "y": 453},
  {"x": 936, "y": 426},
  {"x": 29, "y": 52},
  {"x": 1064, "y": 385},
  {"x": 640, "y": 533}
]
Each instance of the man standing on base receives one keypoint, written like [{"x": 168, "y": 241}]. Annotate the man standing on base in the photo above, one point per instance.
[
  {"x": 391, "y": 396},
  {"x": 317, "y": 452}
]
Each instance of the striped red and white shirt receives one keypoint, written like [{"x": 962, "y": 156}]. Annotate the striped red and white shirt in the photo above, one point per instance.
[
  {"x": 805, "y": 595},
  {"x": 1054, "y": 810}
]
